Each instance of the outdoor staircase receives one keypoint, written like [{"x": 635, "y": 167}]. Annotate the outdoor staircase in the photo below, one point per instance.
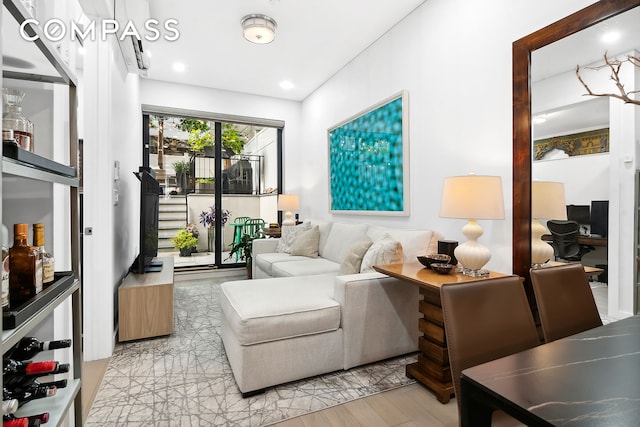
[{"x": 172, "y": 217}]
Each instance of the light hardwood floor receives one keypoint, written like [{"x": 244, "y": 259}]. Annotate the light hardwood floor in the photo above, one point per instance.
[{"x": 408, "y": 406}]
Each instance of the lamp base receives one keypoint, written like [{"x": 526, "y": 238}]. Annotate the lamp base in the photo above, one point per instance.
[
  {"x": 288, "y": 219},
  {"x": 472, "y": 273}
]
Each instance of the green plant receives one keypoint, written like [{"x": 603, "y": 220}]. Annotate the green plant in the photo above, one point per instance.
[
  {"x": 182, "y": 166},
  {"x": 205, "y": 180},
  {"x": 184, "y": 239},
  {"x": 198, "y": 140},
  {"x": 243, "y": 247},
  {"x": 232, "y": 138}
]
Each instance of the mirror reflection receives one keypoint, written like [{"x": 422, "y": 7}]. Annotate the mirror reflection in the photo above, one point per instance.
[{"x": 575, "y": 134}]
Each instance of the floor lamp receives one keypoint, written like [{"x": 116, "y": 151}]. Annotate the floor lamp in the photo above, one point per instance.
[
  {"x": 547, "y": 201},
  {"x": 472, "y": 197}
]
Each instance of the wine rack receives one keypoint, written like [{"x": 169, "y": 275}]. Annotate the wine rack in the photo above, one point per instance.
[{"x": 26, "y": 171}]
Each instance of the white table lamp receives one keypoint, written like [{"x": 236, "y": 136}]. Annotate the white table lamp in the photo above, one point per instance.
[
  {"x": 288, "y": 203},
  {"x": 472, "y": 197},
  {"x": 547, "y": 201}
]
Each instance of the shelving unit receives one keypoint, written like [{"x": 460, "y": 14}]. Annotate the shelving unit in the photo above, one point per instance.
[{"x": 22, "y": 175}]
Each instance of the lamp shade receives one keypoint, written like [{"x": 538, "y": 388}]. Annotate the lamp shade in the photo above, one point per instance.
[
  {"x": 288, "y": 202},
  {"x": 547, "y": 200},
  {"x": 472, "y": 197}
]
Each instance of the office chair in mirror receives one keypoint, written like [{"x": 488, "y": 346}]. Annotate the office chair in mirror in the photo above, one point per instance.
[{"x": 565, "y": 240}]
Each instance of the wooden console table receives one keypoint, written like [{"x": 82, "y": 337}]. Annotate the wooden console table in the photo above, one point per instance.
[
  {"x": 432, "y": 368},
  {"x": 145, "y": 303}
]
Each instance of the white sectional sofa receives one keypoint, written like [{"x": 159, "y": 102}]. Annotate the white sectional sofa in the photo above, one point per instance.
[{"x": 300, "y": 316}]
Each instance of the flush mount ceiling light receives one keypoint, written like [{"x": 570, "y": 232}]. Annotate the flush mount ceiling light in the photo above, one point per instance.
[{"x": 259, "y": 29}]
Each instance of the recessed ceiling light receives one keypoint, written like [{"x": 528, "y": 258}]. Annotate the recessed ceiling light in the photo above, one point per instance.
[
  {"x": 286, "y": 85},
  {"x": 610, "y": 36},
  {"x": 179, "y": 67}
]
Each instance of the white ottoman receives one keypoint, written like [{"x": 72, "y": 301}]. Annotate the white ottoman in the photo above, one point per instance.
[{"x": 280, "y": 329}]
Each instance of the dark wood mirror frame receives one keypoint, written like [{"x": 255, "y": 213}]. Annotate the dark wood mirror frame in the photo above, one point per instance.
[{"x": 522, "y": 152}]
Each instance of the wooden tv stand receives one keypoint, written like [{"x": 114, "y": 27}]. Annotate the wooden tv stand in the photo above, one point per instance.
[{"x": 145, "y": 303}]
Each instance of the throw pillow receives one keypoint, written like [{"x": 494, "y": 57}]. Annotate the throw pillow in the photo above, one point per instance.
[
  {"x": 353, "y": 260},
  {"x": 288, "y": 235},
  {"x": 382, "y": 251},
  {"x": 306, "y": 242}
]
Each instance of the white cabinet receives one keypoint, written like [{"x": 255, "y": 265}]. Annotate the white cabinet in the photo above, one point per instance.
[{"x": 45, "y": 188}]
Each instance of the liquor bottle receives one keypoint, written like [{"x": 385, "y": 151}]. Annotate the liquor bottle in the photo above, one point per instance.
[
  {"x": 28, "y": 347},
  {"x": 48, "y": 262},
  {"x": 13, "y": 118},
  {"x": 5, "y": 267},
  {"x": 9, "y": 406},
  {"x": 26, "y": 395},
  {"x": 25, "y": 280}
]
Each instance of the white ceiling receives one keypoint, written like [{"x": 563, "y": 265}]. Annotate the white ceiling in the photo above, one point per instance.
[{"x": 313, "y": 41}]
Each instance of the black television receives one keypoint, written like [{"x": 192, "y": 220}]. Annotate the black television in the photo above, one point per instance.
[{"x": 149, "y": 211}]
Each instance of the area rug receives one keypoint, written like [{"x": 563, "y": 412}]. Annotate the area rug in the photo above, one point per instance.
[{"x": 185, "y": 379}]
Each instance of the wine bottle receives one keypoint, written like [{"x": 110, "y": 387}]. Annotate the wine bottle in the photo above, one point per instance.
[
  {"x": 5, "y": 268},
  {"x": 48, "y": 262},
  {"x": 9, "y": 406},
  {"x": 42, "y": 418},
  {"x": 15, "y": 368},
  {"x": 28, "y": 347},
  {"x": 30, "y": 383},
  {"x": 25, "y": 280},
  {"x": 25, "y": 395}
]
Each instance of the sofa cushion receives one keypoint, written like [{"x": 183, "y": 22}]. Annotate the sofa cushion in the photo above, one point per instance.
[
  {"x": 288, "y": 235},
  {"x": 256, "y": 311},
  {"x": 414, "y": 242},
  {"x": 266, "y": 261},
  {"x": 382, "y": 251},
  {"x": 340, "y": 239},
  {"x": 306, "y": 242},
  {"x": 353, "y": 260},
  {"x": 305, "y": 267},
  {"x": 325, "y": 228}
]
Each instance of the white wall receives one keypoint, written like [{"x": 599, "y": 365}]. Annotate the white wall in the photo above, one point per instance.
[
  {"x": 111, "y": 130},
  {"x": 454, "y": 58}
]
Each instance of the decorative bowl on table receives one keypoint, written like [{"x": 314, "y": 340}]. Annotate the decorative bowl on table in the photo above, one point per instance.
[
  {"x": 429, "y": 259},
  {"x": 441, "y": 267}
]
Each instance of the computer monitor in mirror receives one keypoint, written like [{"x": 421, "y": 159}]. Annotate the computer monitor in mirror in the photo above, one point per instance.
[{"x": 599, "y": 218}]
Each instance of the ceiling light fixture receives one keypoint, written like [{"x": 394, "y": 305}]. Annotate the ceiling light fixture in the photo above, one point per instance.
[{"x": 259, "y": 29}]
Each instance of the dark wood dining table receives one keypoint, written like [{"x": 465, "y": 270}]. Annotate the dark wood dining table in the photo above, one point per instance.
[{"x": 588, "y": 379}]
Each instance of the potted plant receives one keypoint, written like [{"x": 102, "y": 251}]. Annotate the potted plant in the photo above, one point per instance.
[
  {"x": 199, "y": 140},
  {"x": 243, "y": 248},
  {"x": 208, "y": 219},
  {"x": 205, "y": 184},
  {"x": 185, "y": 242},
  {"x": 182, "y": 169}
]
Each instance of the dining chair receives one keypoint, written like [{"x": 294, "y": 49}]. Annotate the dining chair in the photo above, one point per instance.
[
  {"x": 565, "y": 301},
  {"x": 485, "y": 320},
  {"x": 253, "y": 226}
]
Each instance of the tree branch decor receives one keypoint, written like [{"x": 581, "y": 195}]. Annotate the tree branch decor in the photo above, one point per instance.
[{"x": 614, "y": 66}]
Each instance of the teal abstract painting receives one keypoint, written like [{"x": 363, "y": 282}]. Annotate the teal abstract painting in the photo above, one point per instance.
[{"x": 368, "y": 161}]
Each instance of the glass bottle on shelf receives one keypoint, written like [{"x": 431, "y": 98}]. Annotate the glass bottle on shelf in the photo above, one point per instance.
[
  {"x": 48, "y": 262},
  {"x": 25, "y": 280},
  {"x": 13, "y": 119}
]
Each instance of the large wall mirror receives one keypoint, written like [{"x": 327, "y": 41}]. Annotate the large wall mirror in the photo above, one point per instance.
[{"x": 537, "y": 59}]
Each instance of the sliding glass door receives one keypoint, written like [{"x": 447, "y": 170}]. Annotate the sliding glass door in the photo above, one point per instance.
[{"x": 215, "y": 175}]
